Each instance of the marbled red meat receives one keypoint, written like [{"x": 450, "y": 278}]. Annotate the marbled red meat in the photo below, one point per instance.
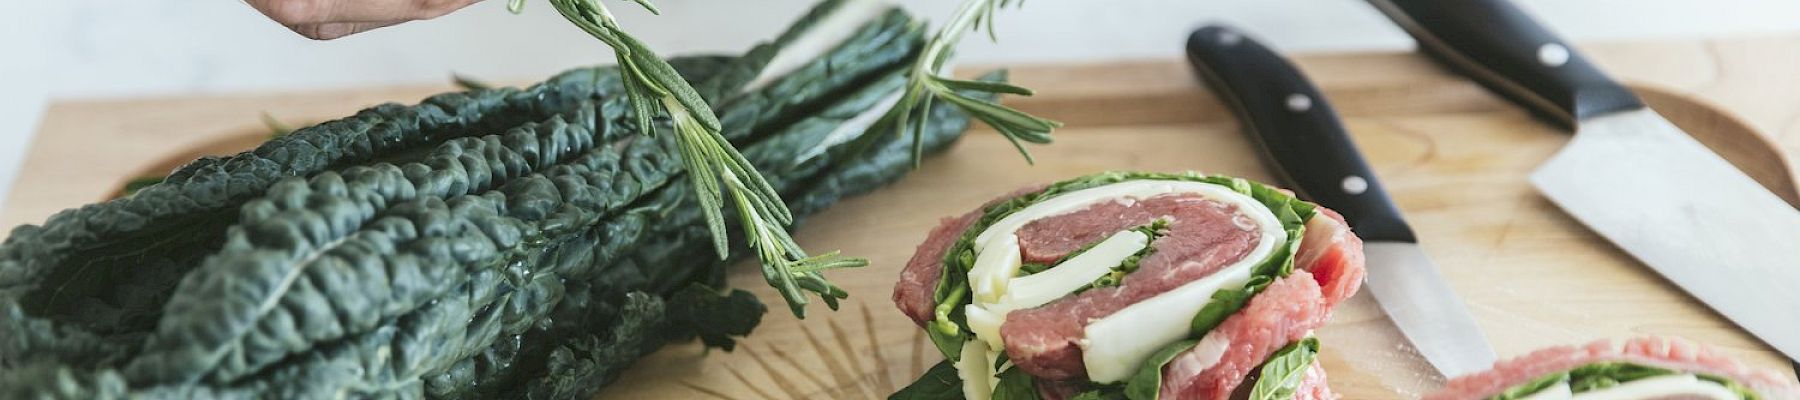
[
  {"x": 1049, "y": 239},
  {"x": 1330, "y": 269},
  {"x": 1666, "y": 353},
  {"x": 913, "y": 294},
  {"x": 917, "y": 282},
  {"x": 1283, "y": 313}
]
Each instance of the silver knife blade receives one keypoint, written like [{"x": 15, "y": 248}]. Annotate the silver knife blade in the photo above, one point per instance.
[
  {"x": 1686, "y": 212},
  {"x": 1418, "y": 299}
]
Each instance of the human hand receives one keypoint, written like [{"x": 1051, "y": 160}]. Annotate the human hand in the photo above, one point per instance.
[{"x": 331, "y": 19}]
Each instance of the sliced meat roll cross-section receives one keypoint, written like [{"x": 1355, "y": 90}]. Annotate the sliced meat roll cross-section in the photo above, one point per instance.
[
  {"x": 1133, "y": 262},
  {"x": 1204, "y": 236},
  {"x": 1682, "y": 357}
]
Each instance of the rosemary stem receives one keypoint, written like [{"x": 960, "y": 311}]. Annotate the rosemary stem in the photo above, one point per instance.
[{"x": 952, "y": 32}]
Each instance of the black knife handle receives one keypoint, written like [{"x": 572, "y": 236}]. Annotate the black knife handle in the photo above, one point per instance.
[
  {"x": 1503, "y": 48},
  {"x": 1296, "y": 128}
]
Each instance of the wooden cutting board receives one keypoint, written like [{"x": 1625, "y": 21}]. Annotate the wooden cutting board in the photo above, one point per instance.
[{"x": 1454, "y": 157}]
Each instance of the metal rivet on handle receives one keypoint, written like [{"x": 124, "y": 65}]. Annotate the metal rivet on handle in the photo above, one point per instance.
[
  {"x": 1355, "y": 185},
  {"x": 1553, "y": 55},
  {"x": 1230, "y": 38},
  {"x": 1299, "y": 103}
]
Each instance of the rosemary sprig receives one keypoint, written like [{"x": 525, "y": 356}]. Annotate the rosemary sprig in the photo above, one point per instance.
[
  {"x": 652, "y": 87},
  {"x": 928, "y": 84}
]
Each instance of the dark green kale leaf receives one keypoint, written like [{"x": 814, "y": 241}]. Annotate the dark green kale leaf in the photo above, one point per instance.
[
  {"x": 497, "y": 242},
  {"x": 1015, "y": 384},
  {"x": 938, "y": 383},
  {"x": 713, "y": 316}
]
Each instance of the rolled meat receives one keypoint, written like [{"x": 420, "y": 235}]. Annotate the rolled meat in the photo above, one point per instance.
[
  {"x": 1640, "y": 369},
  {"x": 1141, "y": 285}
]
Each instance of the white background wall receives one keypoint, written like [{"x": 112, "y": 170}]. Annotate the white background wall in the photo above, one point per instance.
[{"x": 69, "y": 49}]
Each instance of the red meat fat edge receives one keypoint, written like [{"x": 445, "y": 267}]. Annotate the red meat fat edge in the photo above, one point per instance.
[
  {"x": 1333, "y": 255},
  {"x": 1668, "y": 353},
  {"x": 1330, "y": 270}
]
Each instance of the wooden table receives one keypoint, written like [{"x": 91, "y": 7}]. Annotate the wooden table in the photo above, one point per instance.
[{"x": 1453, "y": 156}]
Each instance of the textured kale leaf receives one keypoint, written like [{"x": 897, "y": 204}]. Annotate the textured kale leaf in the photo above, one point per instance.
[{"x": 492, "y": 243}]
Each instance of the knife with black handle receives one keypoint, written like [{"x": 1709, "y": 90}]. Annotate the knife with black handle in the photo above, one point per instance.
[
  {"x": 1505, "y": 50},
  {"x": 1302, "y": 136},
  {"x": 1629, "y": 174}
]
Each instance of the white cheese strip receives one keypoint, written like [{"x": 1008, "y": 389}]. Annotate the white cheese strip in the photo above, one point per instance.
[
  {"x": 824, "y": 35},
  {"x": 994, "y": 270},
  {"x": 985, "y": 324},
  {"x": 996, "y": 296},
  {"x": 976, "y": 371},
  {"x": 1662, "y": 387},
  {"x": 1119, "y": 343},
  {"x": 1040, "y": 288}
]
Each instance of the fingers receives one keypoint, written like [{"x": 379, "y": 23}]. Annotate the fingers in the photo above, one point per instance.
[
  {"x": 326, "y": 19},
  {"x": 309, "y": 12}
]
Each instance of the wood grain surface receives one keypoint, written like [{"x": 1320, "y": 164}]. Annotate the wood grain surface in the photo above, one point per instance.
[{"x": 1454, "y": 157}]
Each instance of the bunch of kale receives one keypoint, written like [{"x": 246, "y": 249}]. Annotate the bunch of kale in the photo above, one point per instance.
[{"x": 495, "y": 243}]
